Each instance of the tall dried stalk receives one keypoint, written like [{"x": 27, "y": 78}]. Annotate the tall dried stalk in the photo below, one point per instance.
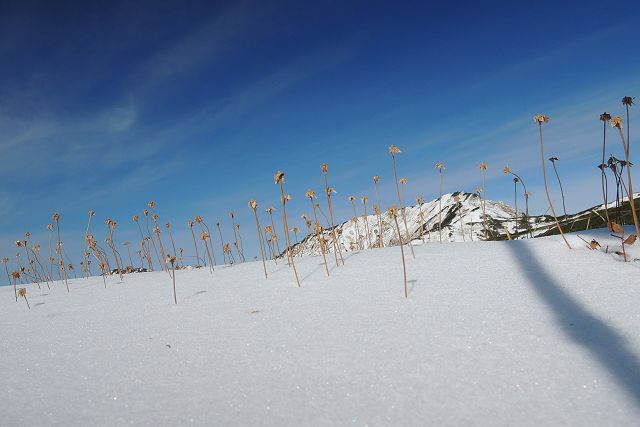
[
  {"x": 173, "y": 245},
  {"x": 553, "y": 161},
  {"x": 604, "y": 118},
  {"x": 458, "y": 201},
  {"x": 310, "y": 194},
  {"x": 364, "y": 200},
  {"x": 355, "y": 221},
  {"x": 204, "y": 236},
  {"x": 295, "y": 230},
  {"x": 440, "y": 167},
  {"x": 56, "y": 219},
  {"x": 539, "y": 119},
  {"x": 190, "y": 224},
  {"x": 254, "y": 207},
  {"x": 111, "y": 225},
  {"x": 224, "y": 254},
  {"x": 526, "y": 197},
  {"x": 145, "y": 249},
  {"x": 153, "y": 243},
  {"x": 515, "y": 203},
  {"x": 51, "y": 259},
  {"x": 393, "y": 150},
  {"x": 238, "y": 240},
  {"x": 419, "y": 201},
  {"x": 376, "y": 179},
  {"x": 393, "y": 212},
  {"x": 483, "y": 168},
  {"x": 204, "y": 225},
  {"x": 172, "y": 260},
  {"x": 279, "y": 180},
  {"x": 329, "y": 190},
  {"x": 376, "y": 209},
  {"x": 616, "y": 122},
  {"x": 274, "y": 236}
]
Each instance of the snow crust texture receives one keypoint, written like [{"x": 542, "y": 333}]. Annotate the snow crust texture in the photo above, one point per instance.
[{"x": 521, "y": 333}]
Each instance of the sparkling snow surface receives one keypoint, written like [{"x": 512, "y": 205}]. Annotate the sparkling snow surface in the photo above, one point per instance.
[{"x": 493, "y": 333}]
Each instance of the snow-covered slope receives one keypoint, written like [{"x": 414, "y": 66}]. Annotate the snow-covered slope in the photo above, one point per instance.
[
  {"x": 461, "y": 217},
  {"x": 521, "y": 333}
]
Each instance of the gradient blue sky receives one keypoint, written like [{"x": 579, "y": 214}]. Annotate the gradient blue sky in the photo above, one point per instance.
[{"x": 107, "y": 105}]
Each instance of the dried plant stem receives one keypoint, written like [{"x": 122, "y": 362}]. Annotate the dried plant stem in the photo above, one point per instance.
[
  {"x": 378, "y": 213},
  {"x": 603, "y": 176},
  {"x": 440, "y": 209},
  {"x": 365, "y": 218},
  {"x": 273, "y": 225},
  {"x": 336, "y": 245},
  {"x": 59, "y": 251},
  {"x": 404, "y": 216},
  {"x": 147, "y": 252},
  {"x": 355, "y": 221},
  {"x": 515, "y": 203},
  {"x": 404, "y": 265},
  {"x": 564, "y": 209},
  {"x": 286, "y": 230},
  {"x": 173, "y": 276},
  {"x": 213, "y": 253},
  {"x": 262, "y": 252},
  {"x": 153, "y": 243},
  {"x": 483, "y": 199},
  {"x": 630, "y": 183},
  {"x": 546, "y": 188},
  {"x": 195, "y": 245},
  {"x": 317, "y": 228},
  {"x": 224, "y": 259}
]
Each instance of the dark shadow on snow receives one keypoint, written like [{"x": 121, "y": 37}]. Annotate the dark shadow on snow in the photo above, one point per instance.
[{"x": 603, "y": 342}]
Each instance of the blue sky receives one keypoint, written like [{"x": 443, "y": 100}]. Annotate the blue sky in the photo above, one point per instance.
[{"x": 107, "y": 106}]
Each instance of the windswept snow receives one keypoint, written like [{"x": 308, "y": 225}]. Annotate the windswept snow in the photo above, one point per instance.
[{"x": 493, "y": 333}]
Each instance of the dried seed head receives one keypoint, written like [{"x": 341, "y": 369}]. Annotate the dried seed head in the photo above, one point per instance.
[
  {"x": 198, "y": 219},
  {"x": 167, "y": 226},
  {"x": 483, "y": 166},
  {"x": 295, "y": 229},
  {"x": 232, "y": 214},
  {"x": 92, "y": 213},
  {"x": 403, "y": 180},
  {"x": 50, "y": 227},
  {"x": 19, "y": 243},
  {"x": 617, "y": 122},
  {"x": 605, "y": 117},
  {"x": 394, "y": 150},
  {"x": 204, "y": 235},
  {"x": 56, "y": 216},
  {"x": 253, "y": 204},
  {"x": 506, "y": 169},
  {"x": 392, "y": 211},
  {"x": 376, "y": 178},
  {"x": 152, "y": 204},
  {"x": 324, "y": 167},
  {"x": 310, "y": 194},
  {"x": 627, "y": 100},
  {"x": 278, "y": 177},
  {"x": 419, "y": 199},
  {"x": 190, "y": 224},
  {"x": 16, "y": 274},
  {"x": 330, "y": 190},
  {"x": 553, "y": 159},
  {"x": 478, "y": 190},
  {"x": 440, "y": 166},
  {"x": 154, "y": 216},
  {"x": 351, "y": 198},
  {"x": 171, "y": 259},
  {"x": 145, "y": 212},
  {"x": 22, "y": 292},
  {"x": 270, "y": 209},
  {"x": 540, "y": 119},
  {"x": 364, "y": 199},
  {"x": 136, "y": 218}
]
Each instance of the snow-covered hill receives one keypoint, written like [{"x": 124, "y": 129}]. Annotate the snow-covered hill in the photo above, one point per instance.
[
  {"x": 461, "y": 218},
  {"x": 523, "y": 333}
]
